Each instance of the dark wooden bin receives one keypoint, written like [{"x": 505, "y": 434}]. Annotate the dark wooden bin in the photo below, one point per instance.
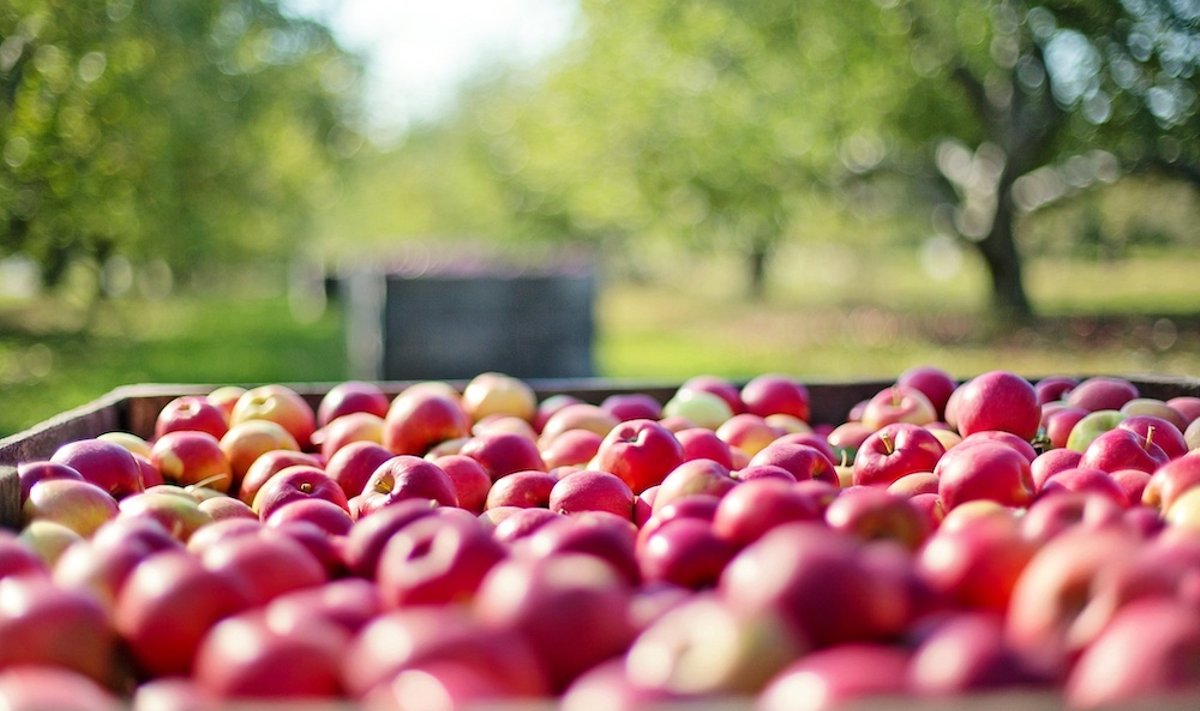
[{"x": 134, "y": 409}]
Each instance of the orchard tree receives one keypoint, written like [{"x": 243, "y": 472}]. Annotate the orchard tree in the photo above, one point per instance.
[{"x": 188, "y": 131}]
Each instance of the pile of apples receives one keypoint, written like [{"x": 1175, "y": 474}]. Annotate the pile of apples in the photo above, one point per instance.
[{"x": 445, "y": 549}]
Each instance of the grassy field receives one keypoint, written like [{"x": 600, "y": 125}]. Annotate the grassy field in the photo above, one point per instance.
[{"x": 830, "y": 316}]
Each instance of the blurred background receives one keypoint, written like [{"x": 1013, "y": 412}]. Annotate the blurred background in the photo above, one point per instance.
[{"x": 230, "y": 191}]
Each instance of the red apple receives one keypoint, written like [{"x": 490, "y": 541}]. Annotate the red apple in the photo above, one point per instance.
[
  {"x": 370, "y": 534},
  {"x": 685, "y": 552},
  {"x": 847, "y": 438},
  {"x": 1053, "y": 388},
  {"x": 998, "y": 400},
  {"x": 591, "y": 490},
  {"x": 355, "y": 427},
  {"x": 546, "y": 408},
  {"x": 838, "y": 676},
  {"x": 632, "y": 406},
  {"x": 1159, "y": 431},
  {"x": 176, "y": 511},
  {"x": 436, "y": 560},
  {"x": 526, "y": 489},
  {"x": 1138, "y": 407},
  {"x": 350, "y": 603},
  {"x": 296, "y": 483},
  {"x": 1169, "y": 481},
  {"x": 934, "y": 383},
  {"x": 265, "y": 564},
  {"x": 1082, "y": 479},
  {"x": 471, "y": 483},
  {"x": 279, "y": 404},
  {"x": 1123, "y": 449},
  {"x": 894, "y": 451},
  {"x": 150, "y": 610},
  {"x": 252, "y": 655},
  {"x": 775, "y": 393},
  {"x": 598, "y": 534},
  {"x": 914, "y": 484},
  {"x": 44, "y": 625},
  {"x": 244, "y": 443},
  {"x": 899, "y": 403},
  {"x": 107, "y": 465},
  {"x": 417, "y": 421},
  {"x": 607, "y": 686},
  {"x": 977, "y": 563},
  {"x": 1059, "y": 422},
  {"x": 1007, "y": 439},
  {"x": 225, "y": 397},
  {"x": 803, "y": 461},
  {"x": 502, "y": 453},
  {"x": 984, "y": 471},
  {"x": 406, "y": 477},
  {"x": 721, "y": 387},
  {"x": 640, "y": 452},
  {"x": 1102, "y": 393},
  {"x": 747, "y": 432},
  {"x": 522, "y": 522},
  {"x": 967, "y": 653},
  {"x": 352, "y": 466},
  {"x": 579, "y": 416},
  {"x": 691, "y": 478},
  {"x": 1050, "y": 462},
  {"x": 1051, "y": 515},
  {"x": 349, "y": 397},
  {"x": 573, "y": 447},
  {"x": 322, "y": 513},
  {"x": 1188, "y": 406},
  {"x": 191, "y": 412},
  {"x": 1133, "y": 483},
  {"x": 16, "y": 559},
  {"x": 48, "y": 687},
  {"x": 763, "y": 471},
  {"x": 192, "y": 457},
  {"x": 30, "y": 473},
  {"x": 79, "y": 505},
  {"x": 870, "y": 513}
]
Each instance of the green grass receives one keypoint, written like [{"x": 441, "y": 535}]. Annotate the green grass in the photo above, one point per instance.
[{"x": 831, "y": 315}]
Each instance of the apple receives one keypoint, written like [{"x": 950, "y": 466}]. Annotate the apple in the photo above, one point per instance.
[
  {"x": 76, "y": 504},
  {"x": 1192, "y": 435},
  {"x": 296, "y": 483},
  {"x": 547, "y": 407},
  {"x": 763, "y": 471},
  {"x": 355, "y": 427},
  {"x": 703, "y": 409},
  {"x": 899, "y": 403},
  {"x": 554, "y": 602},
  {"x": 1123, "y": 449},
  {"x": 748, "y": 433},
  {"x": 223, "y": 507},
  {"x": 436, "y": 560},
  {"x": 406, "y": 477},
  {"x": 810, "y": 438},
  {"x": 847, "y": 438},
  {"x": 1169, "y": 481},
  {"x": 16, "y": 559},
  {"x": 521, "y": 522},
  {"x": 1159, "y": 431},
  {"x": 245, "y": 442},
  {"x": 47, "y": 687},
  {"x": 997, "y": 400},
  {"x": 268, "y": 465},
  {"x": 699, "y": 506},
  {"x": 967, "y": 653},
  {"x": 161, "y": 640},
  {"x": 1155, "y": 408},
  {"x": 1007, "y": 439},
  {"x": 870, "y": 513},
  {"x": 691, "y": 478},
  {"x": 251, "y": 655},
  {"x": 370, "y": 534},
  {"x": 47, "y": 540},
  {"x": 417, "y": 421},
  {"x": 1050, "y": 462},
  {"x": 279, "y": 404},
  {"x": 178, "y": 513},
  {"x": 192, "y": 457},
  {"x": 591, "y": 490},
  {"x": 1091, "y": 426},
  {"x": 705, "y": 647},
  {"x": 502, "y": 453},
  {"x": 1143, "y": 653},
  {"x": 819, "y": 581},
  {"x": 191, "y": 412},
  {"x": 349, "y": 397},
  {"x": 1133, "y": 483},
  {"x": 703, "y": 443},
  {"x": 685, "y": 552},
  {"x": 773, "y": 393},
  {"x": 265, "y": 564},
  {"x": 136, "y": 445},
  {"x": 599, "y": 534},
  {"x": 838, "y": 676},
  {"x": 717, "y": 385},
  {"x": 803, "y": 461},
  {"x": 1053, "y": 388},
  {"x": 225, "y": 397},
  {"x": 573, "y": 447},
  {"x": 350, "y": 603},
  {"x": 894, "y": 451},
  {"x": 640, "y": 452},
  {"x": 1188, "y": 406},
  {"x": 44, "y": 625},
  {"x": 525, "y": 489},
  {"x": 497, "y": 393},
  {"x": 914, "y": 484},
  {"x": 977, "y": 563},
  {"x": 607, "y": 686},
  {"x": 471, "y": 483},
  {"x": 632, "y": 406},
  {"x": 1051, "y": 515},
  {"x": 1102, "y": 393},
  {"x": 987, "y": 470},
  {"x": 934, "y": 383},
  {"x": 322, "y": 513},
  {"x": 351, "y": 466},
  {"x": 579, "y": 416},
  {"x": 107, "y": 465},
  {"x": 1096, "y": 481},
  {"x": 1059, "y": 422},
  {"x": 30, "y": 473}
]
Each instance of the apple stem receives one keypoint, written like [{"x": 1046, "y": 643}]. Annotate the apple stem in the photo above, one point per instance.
[
  {"x": 895, "y": 399},
  {"x": 845, "y": 458},
  {"x": 1149, "y": 436},
  {"x": 887, "y": 442},
  {"x": 207, "y": 481}
]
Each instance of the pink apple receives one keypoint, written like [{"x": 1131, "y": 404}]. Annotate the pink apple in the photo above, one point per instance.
[
  {"x": 967, "y": 653},
  {"x": 775, "y": 393},
  {"x": 191, "y": 457},
  {"x": 599, "y": 534},
  {"x": 899, "y": 403},
  {"x": 685, "y": 552},
  {"x": 703, "y": 443},
  {"x": 245, "y": 442},
  {"x": 350, "y": 603},
  {"x": 48, "y": 687},
  {"x": 591, "y": 490},
  {"x": 265, "y": 564},
  {"x": 763, "y": 471},
  {"x": 976, "y": 564},
  {"x": 436, "y": 560},
  {"x": 1053, "y": 388},
  {"x": 570, "y": 447},
  {"x": 406, "y": 477},
  {"x": 721, "y": 387},
  {"x": 1133, "y": 483},
  {"x": 1155, "y": 408},
  {"x": 521, "y": 522},
  {"x": 30, "y": 473},
  {"x": 1188, "y": 406},
  {"x": 1159, "y": 431},
  {"x": 296, "y": 483},
  {"x": 351, "y": 396},
  {"x": 984, "y": 471},
  {"x": 225, "y": 397},
  {"x": 1051, "y": 515},
  {"x": 1123, "y": 449},
  {"x": 1007, "y": 439},
  {"x": 16, "y": 559},
  {"x": 870, "y": 513},
  {"x": 934, "y": 383},
  {"x": 803, "y": 461},
  {"x": 1102, "y": 393},
  {"x": 44, "y": 625},
  {"x": 417, "y": 421},
  {"x": 502, "y": 453},
  {"x": 191, "y": 412},
  {"x": 79, "y": 505},
  {"x": 894, "y": 451},
  {"x": 1170, "y": 480},
  {"x": 640, "y": 452},
  {"x": 691, "y": 478},
  {"x": 1059, "y": 422},
  {"x": 179, "y": 513},
  {"x": 279, "y": 404},
  {"x": 323, "y": 513},
  {"x": 914, "y": 484},
  {"x": 355, "y": 427},
  {"x": 268, "y": 465},
  {"x": 579, "y": 416},
  {"x": 843, "y": 675},
  {"x": 526, "y": 489},
  {"x": 547, "y": 407},
  {"x": 998, "y": 400},
  {"x": 371, "y": 533},
  {"x": 1096, "y": 481},
  {"x": 747, "y": 432},
  {"x": 847, "y": 438},
  {"x": 107, "y": 465},
  {"x": 223, "y": 507},
  {"x": 471, "y": 483},
  {"x": 1050, "y": 462}
]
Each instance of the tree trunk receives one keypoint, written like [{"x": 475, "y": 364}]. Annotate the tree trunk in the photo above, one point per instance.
[
  {"x": 756, "y": 261},
  {"x": 1000, "y": 254}
]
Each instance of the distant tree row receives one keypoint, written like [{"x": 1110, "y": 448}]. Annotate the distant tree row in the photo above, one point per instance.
[{"x": 187, "y": 131}]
